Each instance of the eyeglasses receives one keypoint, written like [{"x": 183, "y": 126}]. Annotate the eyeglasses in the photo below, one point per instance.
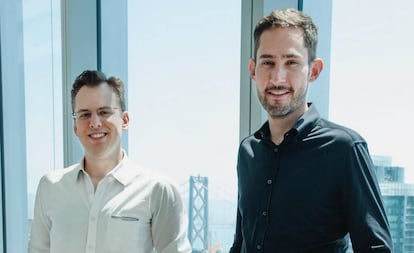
[{"x": 103, "y": 113}]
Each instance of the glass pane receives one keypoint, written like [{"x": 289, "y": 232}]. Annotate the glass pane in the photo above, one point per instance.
[
  {"x": 370, "y": 80},
  {"x": 184, "y": 61},
  {"x": 371, "y": 89},
  {"x": 42, "y": 66}
]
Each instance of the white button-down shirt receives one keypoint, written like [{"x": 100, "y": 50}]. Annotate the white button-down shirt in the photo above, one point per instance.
[{"x": 132, "y": 210}]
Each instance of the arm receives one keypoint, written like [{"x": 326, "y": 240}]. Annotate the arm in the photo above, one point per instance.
[
  {"x": 367, "y": 221},
  {"x": 39, "y": 241},
  {"x": 238, "y": 238},
  {"x": 169, "y": 222}
]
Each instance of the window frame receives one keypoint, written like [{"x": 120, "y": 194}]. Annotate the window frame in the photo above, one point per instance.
[
  {"x": 252, "y": 114},
  {"x": 13, "y": 163},
  {"x": 86, "y": 46}
]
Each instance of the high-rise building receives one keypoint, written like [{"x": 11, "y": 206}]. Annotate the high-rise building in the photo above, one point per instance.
[
  {"x": 398, "y": 199},
  {"x": 381, "y": 160},
  {"x": 385, "y": 172}
]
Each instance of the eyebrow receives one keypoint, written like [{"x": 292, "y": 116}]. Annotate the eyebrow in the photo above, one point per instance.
[
  {"x": 100, "y": 108},
  {"x": 285, "y": 56}
]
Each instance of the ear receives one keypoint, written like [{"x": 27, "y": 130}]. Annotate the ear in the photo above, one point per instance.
[
  {"x": 316, "y": 69},
  {"x": 252, "y": 69},
  {"x": 75, "y": 129},
  {"x": 125, "y": 120}
]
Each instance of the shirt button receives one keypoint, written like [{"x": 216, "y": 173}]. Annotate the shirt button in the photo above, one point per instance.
[
  {"x": 259, "y": 246},
  {"x": 269, "y": 181},
  {"x": 90, "y": 247},
  {"x": 93, "y": 218},
  {"x": 264, "y": 213}
]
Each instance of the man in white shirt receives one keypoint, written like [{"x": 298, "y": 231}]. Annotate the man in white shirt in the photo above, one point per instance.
[{"x": 106, "y": 203}]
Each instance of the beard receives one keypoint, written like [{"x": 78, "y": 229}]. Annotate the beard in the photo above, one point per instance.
[{"x": 279, "y": 109}]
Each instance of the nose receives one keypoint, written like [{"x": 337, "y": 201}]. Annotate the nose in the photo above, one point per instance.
[
  {"x": 278, "y": 75},
  {"x": 95, "y": 121}
]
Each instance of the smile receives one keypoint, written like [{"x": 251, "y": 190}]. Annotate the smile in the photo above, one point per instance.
[
  {"x": 97, "y": 135},
  {"x": 278, "y": 92}
]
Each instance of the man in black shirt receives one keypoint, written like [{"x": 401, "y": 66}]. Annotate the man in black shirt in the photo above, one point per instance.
[{"x": 304, "y": 183}]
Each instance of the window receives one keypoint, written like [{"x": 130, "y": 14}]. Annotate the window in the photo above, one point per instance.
[
  {"x": 43, "y": 89},
  {"x": 370, "y": 80},
  {"x": 183, "y": 93},
  {"x": 371, "y": 88}
]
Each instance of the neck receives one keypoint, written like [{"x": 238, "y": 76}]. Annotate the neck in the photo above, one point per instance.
[
  {"x": 97, "y": 166},
  {"x": 280, "y": 125}
]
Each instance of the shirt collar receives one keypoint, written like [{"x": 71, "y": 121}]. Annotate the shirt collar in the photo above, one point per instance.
[
  {"x": 301, "y": 128},
  {"x": 124, "y": 172}
]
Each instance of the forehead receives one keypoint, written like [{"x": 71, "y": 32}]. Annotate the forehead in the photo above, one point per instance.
[
  {"x": 95, "y": 97},
  {"x": 280, "y": 41}
]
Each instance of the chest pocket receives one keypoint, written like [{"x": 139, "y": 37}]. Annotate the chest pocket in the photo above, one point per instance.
[{"x": 127, "y": 231}]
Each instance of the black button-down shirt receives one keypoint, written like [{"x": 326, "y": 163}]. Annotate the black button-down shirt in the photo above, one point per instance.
[{"x": 307, "y": 193}]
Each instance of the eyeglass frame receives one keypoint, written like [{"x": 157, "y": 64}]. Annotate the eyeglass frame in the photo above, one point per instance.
[{"x": 78, "y": 115}]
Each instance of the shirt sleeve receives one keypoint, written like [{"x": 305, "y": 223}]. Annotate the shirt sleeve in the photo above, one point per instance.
[
  {"x": 367, "y": 220},
  {"x": 169, "y": 221},
  {"x": 238, "y": 238},
  {"x": 39, "y": 241}
]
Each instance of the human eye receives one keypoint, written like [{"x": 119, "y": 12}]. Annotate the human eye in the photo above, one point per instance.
[
  {"x": 267, "y": 63},
  {"x": 84, "y": 115},
  {"x": 292, "y": 63},
  {"x": 105, "y": 112}
]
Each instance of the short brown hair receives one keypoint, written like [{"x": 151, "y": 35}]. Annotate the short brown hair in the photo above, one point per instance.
[
  {"x": 92, "y": 78},
  {"x": 289, "y": 18}
]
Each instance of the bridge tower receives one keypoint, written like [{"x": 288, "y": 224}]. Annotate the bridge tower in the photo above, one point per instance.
[{"x": 198, "y": 213}]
